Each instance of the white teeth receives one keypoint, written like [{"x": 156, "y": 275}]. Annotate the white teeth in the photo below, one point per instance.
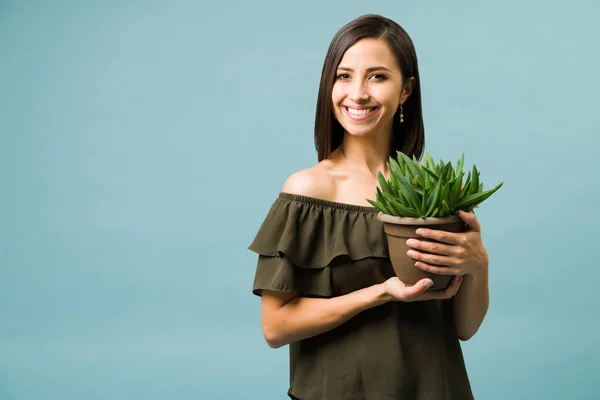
[{"x": 359, "y": 112}]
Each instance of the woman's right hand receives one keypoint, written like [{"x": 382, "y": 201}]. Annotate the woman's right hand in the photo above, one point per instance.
[{"x": 398, "y": 291}]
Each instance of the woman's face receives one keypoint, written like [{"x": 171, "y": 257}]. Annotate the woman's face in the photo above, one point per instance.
[{"x": 368, "y": 88}]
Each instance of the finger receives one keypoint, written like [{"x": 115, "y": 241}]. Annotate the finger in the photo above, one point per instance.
[
  {"x": 437, "y": 270},
  {"x": 440, "y": 236},
  {"x": 434, "y": 295},
  {"x": 471, "y": 220},
  {"x": 458, "y": 285},
  {"x": 417, "y": 289},
  {"x": 446, "y": 293},
  {"x": 433, "y": 247},
  {"x": 434, "y": 259},
  {"x": 452, "y": 289}
]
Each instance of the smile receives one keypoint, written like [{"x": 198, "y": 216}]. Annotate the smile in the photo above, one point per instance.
[{"x": 360, "y": 114}]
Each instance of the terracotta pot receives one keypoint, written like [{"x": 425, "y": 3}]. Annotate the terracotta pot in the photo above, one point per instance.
[{"x": 399, "y": 229}]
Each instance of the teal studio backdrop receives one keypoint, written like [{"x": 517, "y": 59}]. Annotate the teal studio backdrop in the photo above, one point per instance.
[{"x": 142, "y": 144}]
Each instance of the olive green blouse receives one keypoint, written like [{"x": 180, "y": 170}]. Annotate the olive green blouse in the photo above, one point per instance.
[{"x": 397, "y": 350}]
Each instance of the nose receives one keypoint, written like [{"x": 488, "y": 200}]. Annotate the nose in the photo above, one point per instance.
[{"x": 359, "y": 92}]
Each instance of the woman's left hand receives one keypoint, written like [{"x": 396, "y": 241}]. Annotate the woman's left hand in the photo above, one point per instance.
[{"x": 457, "y": 254}]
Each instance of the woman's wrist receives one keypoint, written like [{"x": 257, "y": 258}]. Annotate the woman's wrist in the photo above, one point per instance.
[{"x": 381, "y": 295}]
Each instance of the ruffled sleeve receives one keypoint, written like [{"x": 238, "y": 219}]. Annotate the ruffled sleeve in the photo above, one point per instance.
[{"x": 301, "y": 236}]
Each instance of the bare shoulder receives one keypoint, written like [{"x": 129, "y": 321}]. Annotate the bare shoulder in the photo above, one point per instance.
[{"x": 312, "y": 182}]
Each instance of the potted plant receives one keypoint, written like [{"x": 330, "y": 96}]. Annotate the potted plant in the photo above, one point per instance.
[{"x": 429, "y": 195}]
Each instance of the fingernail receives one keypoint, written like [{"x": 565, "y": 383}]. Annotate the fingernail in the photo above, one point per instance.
[{"x": 428, "y": 283}]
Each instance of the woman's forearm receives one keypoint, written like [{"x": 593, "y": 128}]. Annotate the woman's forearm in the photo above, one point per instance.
[
  {"x": 305, "y": 317},
  {"x": 471, "y": 304}
]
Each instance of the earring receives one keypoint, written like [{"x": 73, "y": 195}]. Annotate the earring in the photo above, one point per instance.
[{"x": 401, "y": 115}]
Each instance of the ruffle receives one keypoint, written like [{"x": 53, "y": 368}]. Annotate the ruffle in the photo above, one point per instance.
[
  {"x": 301, "y": 237},
  {"x": 278, "y": 273},
  {"x": 309, "y": 233}
]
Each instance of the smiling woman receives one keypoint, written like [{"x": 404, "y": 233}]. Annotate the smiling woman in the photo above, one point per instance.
[
  {"x": 366, "y": 94},
  {"x": 328, "y": 288},
  {"x": 371, "y": 61}
]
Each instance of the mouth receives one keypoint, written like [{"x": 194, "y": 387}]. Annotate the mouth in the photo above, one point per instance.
[{"x": 360, "y": 114}]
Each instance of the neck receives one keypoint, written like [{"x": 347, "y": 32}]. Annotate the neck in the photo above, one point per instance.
[{"x": 366, "y": 153}]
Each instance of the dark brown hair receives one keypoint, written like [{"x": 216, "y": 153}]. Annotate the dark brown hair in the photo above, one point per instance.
[{"x": 409, "y": 136}]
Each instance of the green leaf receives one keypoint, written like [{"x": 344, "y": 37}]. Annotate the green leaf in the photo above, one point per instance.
[
  {"x": 460, "y": 164},
  {"x": 410, "y": 193},
  {"x": 395, "y": 168},
  {"x": 423, "y": 202},
  {"x": 444, "y": 193},
  {"x": 394, "y": 185},
  {"x": 434, "y": 198},
  {"x": 402, "y": 199},
  {"x": 391, "y": 204},
  {"x": 428, "y": 162},
  {"x": 465, "y": 190},
  {"x": 402, "y": 210},
  {"x": 382, "y": 203},
  {"x": 447, "y": 172},
  {"x": 455, "y": 188},
  {"x": 414, "y": 170},
  {"x": 383, "y": 183},
  {"x": 400, "y": 160},
  {"x": 411, "y": 168},
  {"x": 403, "y": 189},
  {"x": 473, "y": 199},
  {"x": 431, "y": 173},
  {"x": 420, "y": 171},
  {"x": 376, "y": 204},
  {"x": 427, "y": 182},
  {"x": 475, "y": 185},
  {"x": 445, "y": 208}
]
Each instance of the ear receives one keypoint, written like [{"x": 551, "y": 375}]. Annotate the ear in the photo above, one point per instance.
[{"x": 407, "y": 89}]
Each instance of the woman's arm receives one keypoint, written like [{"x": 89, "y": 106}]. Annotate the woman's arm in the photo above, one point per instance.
[
  {"x": 287, "y": 318},
  {"x": 471, "y": 304},
  {"x": 458, "y": 253}
]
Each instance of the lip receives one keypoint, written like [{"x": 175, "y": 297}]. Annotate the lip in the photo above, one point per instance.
[
  {"x": 360, "y": 107},
  {"x": 360, "y": 117}
]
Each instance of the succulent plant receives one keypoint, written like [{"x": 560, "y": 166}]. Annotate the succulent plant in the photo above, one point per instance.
[{"x": 428, "y": 190}]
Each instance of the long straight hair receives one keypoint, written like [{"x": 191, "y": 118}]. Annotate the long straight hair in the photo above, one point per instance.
[{"x": 409, "y": 136}]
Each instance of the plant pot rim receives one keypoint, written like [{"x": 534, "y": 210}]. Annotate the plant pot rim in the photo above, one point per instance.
[{"x": 392, "y": 219}]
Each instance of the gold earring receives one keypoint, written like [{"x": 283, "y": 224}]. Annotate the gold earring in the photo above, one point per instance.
[{"x": 401, "y": 115}]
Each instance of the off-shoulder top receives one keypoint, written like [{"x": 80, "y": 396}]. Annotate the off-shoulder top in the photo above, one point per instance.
[{"x": 398, "y": 350}]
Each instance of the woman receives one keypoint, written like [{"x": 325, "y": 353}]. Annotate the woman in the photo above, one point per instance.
[{"x": 328, "y": 288}]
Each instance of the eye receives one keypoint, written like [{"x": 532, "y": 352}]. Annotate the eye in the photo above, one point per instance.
[
  {"x": 379, "y": 77},
  {"x": 343, "y": 76}
]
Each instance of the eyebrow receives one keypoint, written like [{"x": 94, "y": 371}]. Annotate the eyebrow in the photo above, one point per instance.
[{"x": 380, "y": 67}]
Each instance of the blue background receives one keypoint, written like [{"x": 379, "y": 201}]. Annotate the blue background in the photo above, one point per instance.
[{"x": 142, "y": 143}]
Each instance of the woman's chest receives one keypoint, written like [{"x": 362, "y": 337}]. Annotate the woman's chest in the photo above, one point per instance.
[{"x": 355, "y": 190}]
